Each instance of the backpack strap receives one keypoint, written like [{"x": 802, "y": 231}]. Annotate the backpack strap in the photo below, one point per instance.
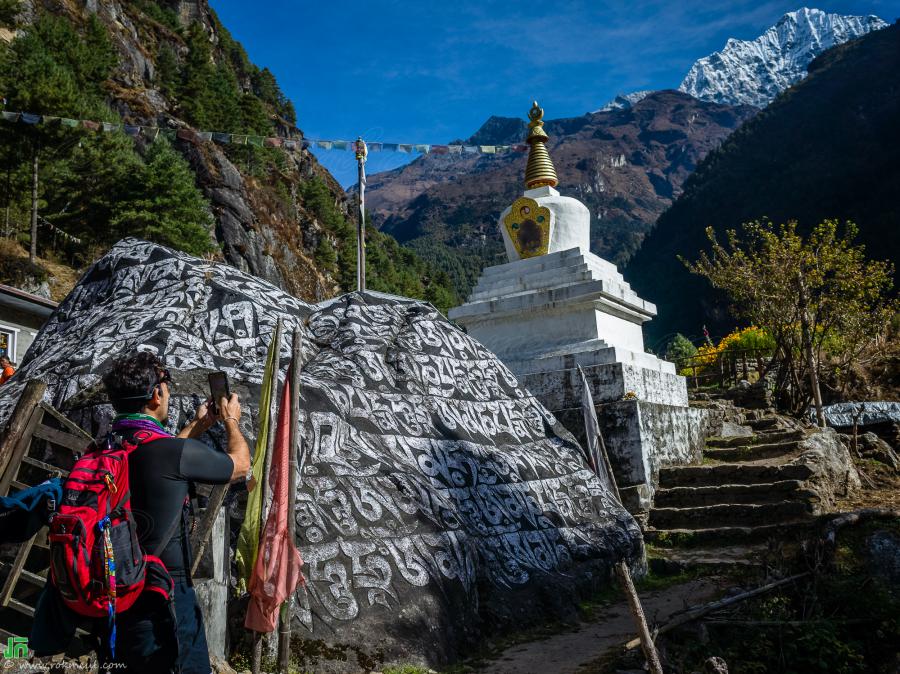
[
  {"x": 164, "y": 541},
  {"x": 142, "y": 437}
]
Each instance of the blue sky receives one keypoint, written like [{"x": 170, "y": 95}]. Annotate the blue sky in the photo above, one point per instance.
[{"x": 430, "y": 72}]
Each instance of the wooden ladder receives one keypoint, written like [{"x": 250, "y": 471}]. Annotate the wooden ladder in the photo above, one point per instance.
[{"x": 27, "y": 423}]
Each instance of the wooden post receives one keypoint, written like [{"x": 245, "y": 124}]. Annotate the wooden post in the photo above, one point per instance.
[
  {"x": 34, "y": 202},
  {"x": 256, "y": 661},
  {"x": 201, "y": 539},
  {"x": 284, "y": 627},
  {"x": 361, "y": 152},
  {"x": 19, "y": 428},
  {"x": 624, "y": 575},
  {"x": 808, "y": 350},
  {"x": 638, "y": 612}
]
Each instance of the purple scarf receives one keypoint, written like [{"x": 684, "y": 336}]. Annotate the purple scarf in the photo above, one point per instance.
[{"x": 134, "y": 423}]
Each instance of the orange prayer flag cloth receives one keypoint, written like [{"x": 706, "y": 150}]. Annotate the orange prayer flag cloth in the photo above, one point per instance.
[{"x": 277, "y": 570}]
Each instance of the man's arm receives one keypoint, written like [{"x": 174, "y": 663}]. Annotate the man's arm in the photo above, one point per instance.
[
  {"x": 199, "y": 462},
  {"x": 203, "y": 420},
  {"x": 238, "y": 450}
]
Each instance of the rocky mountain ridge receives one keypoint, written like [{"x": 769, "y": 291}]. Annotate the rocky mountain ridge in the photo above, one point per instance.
[{"x": 626, "y": 165}]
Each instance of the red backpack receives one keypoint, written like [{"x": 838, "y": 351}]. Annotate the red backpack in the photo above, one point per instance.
[{"x": 96, "y": 560}]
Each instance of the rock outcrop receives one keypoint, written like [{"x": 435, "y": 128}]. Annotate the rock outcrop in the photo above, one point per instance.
[{"x": 437, "y": 499}]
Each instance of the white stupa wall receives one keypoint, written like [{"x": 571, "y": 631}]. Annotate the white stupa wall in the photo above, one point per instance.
[{"x": 547, "y": 314}]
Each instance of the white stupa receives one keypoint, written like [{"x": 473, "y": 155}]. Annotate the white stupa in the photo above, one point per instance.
[{"x": 556, "y": 305}]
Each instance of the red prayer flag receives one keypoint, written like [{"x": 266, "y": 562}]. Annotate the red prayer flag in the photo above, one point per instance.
[{"x": 277, "y": 571}]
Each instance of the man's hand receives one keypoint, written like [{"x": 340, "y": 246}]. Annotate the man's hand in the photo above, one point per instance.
[
  {"x": 202, "y": 422},
  {"x": 229, "y": 409}
]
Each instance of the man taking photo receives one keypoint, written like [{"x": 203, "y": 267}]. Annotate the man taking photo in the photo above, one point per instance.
[{"x": 159, "y": 474}]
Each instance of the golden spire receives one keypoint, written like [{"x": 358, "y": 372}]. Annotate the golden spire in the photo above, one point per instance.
[{"x": 539, "y": 170}]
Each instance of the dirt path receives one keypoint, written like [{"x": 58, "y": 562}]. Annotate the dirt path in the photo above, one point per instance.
[{"x": 568, "y": 651}]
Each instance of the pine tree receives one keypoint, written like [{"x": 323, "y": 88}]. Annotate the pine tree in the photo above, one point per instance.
[
  {"x": 165, "y": 205},
  {"x": 167, "y": 72}
]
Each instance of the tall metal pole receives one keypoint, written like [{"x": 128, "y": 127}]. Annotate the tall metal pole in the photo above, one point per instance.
[{"x": 361, "y": 152}]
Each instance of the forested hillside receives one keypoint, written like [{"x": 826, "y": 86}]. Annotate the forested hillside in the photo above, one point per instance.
[
  {"x": 168, "y": 65},
  {"x": 829, "y": 147}
]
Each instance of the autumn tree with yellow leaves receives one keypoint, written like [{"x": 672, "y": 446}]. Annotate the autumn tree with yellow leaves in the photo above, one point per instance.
[{"x": 818, "y": 296}]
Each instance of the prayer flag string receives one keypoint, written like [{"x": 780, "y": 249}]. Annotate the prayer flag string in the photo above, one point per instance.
[{"x": 197, "y": 137}]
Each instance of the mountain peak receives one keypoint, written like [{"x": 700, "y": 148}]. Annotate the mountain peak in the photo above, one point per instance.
[{"x": 753, "y": 72}]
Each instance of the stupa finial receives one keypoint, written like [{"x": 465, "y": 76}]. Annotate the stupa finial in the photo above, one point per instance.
[{"x": 539, "y": 170}]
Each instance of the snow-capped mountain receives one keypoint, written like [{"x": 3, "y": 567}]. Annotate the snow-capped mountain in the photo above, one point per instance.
[
  {"x": 754, "y": 72},
  {"x": 625, "y": 101}
]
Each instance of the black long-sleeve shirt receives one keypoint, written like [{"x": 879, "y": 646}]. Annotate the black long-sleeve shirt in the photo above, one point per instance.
[{"x": 158, "y": 473}]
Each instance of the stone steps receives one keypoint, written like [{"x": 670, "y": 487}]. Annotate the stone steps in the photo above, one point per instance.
[
  {"x": 757, "y": 439},
  {"x": 723, "y": 535},
  {"x": 765, "y": 423},
  {"x": 764, "y": 492},
  {"x": 727, "y": 515},
  {"x": 729, "y": 474},
  {"x": 752, "y": 452},
  {"x": 669, "y": 561}
]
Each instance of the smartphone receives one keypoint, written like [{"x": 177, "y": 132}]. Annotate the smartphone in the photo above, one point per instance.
[{"x": 218, "y": 388}]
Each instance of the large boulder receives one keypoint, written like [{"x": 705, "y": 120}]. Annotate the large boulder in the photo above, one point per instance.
[
  {"x": 437, "y": 499},
  {"x": 832, "y": 472}
]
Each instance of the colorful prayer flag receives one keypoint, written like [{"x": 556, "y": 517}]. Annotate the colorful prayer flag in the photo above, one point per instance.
[
  {"x": 274, "y": 142},
  {"x": 487, "y": 149},
  {"x": 455, "y": 149},
  {"x": 307, "y": 144},
  {"x": 222, "y": 138},
  {"x": 248, "y": 537},
  {"x": 50, "y": 119},
  {"x": 374, "y": 147},
  {"x": 238, "y": 139},
  {"x": 89, "y": 125},
  {"x": 404, "y": 148},
  {"x": 132, "y": 130},
  {"x": 150, "y": 132},
  {"x": 324, "y": 144},
  {"x": 205, "y": 136},
  {"x": 389, "y": 147},
  {"x": 65, "y": 121},
  {"x": 424, "y": 149},
  {"x": 109, "y": 126},
  {"x": 341, "y": 145},
  {"x": 470, "y": 149},
  {"x": 290, "y": 144},
  {"x": 28, "y": 118},
  {"x": 520, "y": 148},
  {"x": 10, "y": 116},
  {"x": 439, "y": 149},
  {"x": 276, "y": 573},
  {"x": 255, "y": 141}
]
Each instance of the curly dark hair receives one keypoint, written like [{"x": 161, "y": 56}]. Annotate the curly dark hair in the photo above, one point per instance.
[{"x": 131, "y": 379}]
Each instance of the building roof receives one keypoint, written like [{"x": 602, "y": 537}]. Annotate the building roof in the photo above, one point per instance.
[{"x": 14, "y": 298}]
